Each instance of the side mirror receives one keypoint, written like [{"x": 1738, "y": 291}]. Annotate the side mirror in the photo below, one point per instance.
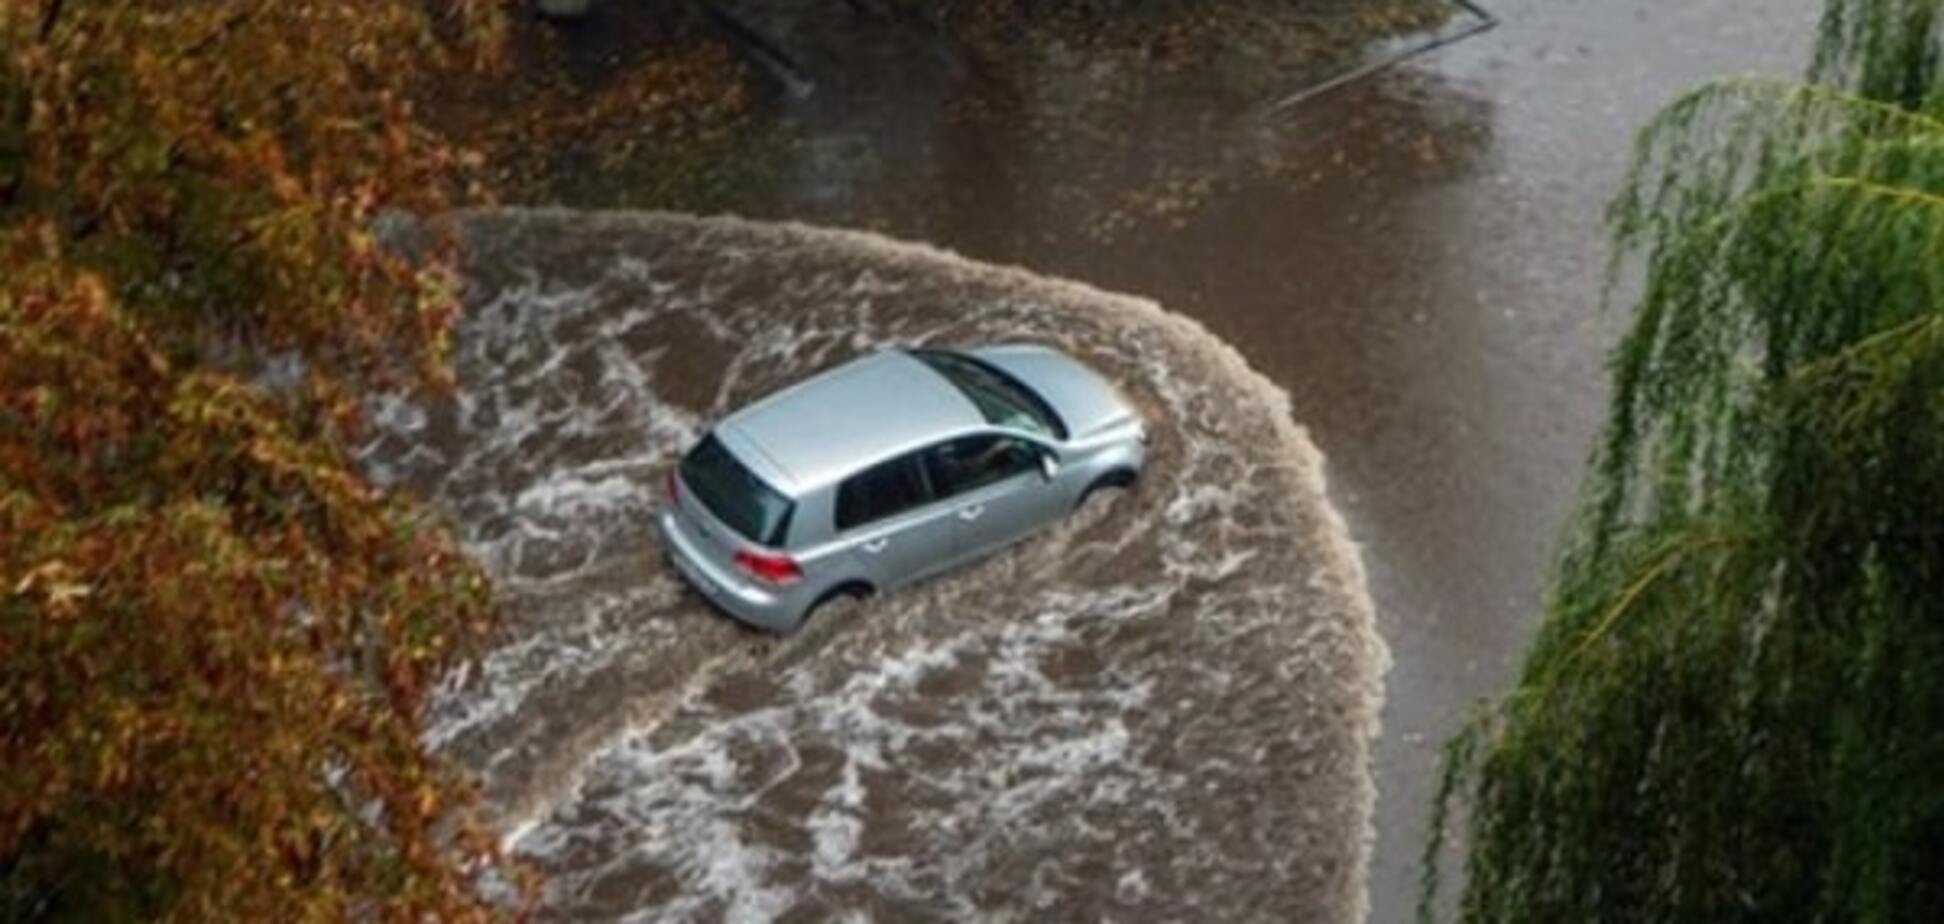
[{"x": 1049, "y": 465}]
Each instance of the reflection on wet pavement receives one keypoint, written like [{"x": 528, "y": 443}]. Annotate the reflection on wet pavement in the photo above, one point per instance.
[{"x": 1161, "y": 710}]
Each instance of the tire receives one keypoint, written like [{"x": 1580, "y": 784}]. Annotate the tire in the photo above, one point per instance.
[
  {"x": 841, "y": 597},
  {"x": 1119, "y": 480},
  {"x": 824, "y": 618}
]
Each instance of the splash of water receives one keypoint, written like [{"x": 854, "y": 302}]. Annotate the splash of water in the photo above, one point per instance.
[{"x": 1161, "y": 708}]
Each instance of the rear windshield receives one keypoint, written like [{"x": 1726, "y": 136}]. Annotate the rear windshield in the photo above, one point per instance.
[{"x": 734, "y": 494}]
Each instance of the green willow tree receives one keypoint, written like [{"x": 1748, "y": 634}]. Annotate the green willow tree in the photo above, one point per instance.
[
  {"x": 1733, "y": 709},
  {"x": 215, "y": 638}
]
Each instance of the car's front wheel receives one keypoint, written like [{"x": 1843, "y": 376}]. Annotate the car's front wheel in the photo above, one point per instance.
[{"x": 1117, "y": 480}]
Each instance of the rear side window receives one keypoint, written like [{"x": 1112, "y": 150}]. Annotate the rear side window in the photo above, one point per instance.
[
  {"x": 883, "y": 490},
  {"x": 734, "y": 494},
  {"x": 972, "y": 462}
]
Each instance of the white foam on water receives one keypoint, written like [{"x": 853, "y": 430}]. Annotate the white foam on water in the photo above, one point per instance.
[
  {"x": 1158, "y": 709},
  {"x": 567, "y": 494},
  {"x": 836, "y": 827}
]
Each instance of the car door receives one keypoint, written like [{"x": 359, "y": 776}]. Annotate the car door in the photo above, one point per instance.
[
  {"x": 885, "y": 517},
  {"x": 994, "y": 487}
]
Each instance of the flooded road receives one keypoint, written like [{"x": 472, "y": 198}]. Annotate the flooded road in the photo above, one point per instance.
[
  {"x": 1415, "y": 258},
  {"x": 1436, "y": 323},
  {"x": 1161, "y": 710}
]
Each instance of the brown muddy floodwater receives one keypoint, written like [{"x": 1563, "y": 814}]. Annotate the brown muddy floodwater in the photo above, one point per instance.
[
  {"x": 1160, "y": 711},
  {"x": 1416, "y": 259}
]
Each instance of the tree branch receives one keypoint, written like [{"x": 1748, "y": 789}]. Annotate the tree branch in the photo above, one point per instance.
[
  {"x": 49, "y": 16},
  {"x": 235, "y": 21}
]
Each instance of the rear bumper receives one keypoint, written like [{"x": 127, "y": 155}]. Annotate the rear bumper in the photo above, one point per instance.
[{"x": 730, "y": 591}]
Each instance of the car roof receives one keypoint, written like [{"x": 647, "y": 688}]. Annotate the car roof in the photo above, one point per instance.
[{"x": 836, "y": 422}]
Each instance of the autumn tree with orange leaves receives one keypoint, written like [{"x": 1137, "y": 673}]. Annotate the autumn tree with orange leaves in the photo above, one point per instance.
[{"x": 215, "y": 637}]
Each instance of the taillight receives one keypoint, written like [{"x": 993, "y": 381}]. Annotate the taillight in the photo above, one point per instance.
[
  {"x": 773, "y": 569},
  {"x": 674, "y": 488}
]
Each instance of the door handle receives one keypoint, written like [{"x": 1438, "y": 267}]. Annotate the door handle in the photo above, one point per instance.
[
  {"x": 968, "y": 514},
  {"x": 876, "y": 545}
]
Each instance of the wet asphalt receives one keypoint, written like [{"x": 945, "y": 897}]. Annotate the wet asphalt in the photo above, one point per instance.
[{"x": 1442, "y": 336}]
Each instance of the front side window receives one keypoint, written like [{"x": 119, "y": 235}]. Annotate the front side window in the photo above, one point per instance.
[
  {"x": 734, "y": 494},
  {"x": 972, "y": 462},
  {"x": 883, "y": 490}
]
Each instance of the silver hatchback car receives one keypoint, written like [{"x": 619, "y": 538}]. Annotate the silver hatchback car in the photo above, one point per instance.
[{"x": 888, "y": 469}]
